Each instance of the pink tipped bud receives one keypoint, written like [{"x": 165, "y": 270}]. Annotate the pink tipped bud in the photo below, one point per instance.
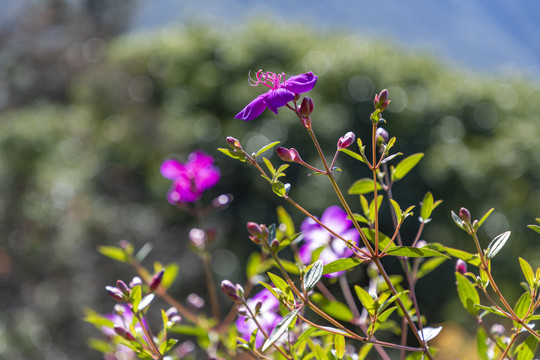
[
  {"x": 233, "y": 143},
  {"x": 381, "y": 100},
  {"x": 461, "y": 266},
  {"x": 284, "y": 154},
  {"x": 306, "y": 107},
  {"x": 346, "y": 140},
  {"x": 254, "y": 229},
  {"x": 116, "y": 293},
  {"x": 123, "y": 287},
  {"x": 381, "y": 136},
  {"x": 156, "y": 280},
  {"x": 123, "y": 333},
  {"x": 135, "y": 281},
  {"x": 465, "y": 215}
]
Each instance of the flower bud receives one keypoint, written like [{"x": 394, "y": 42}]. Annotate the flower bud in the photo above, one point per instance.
[
  {"x": 195, "y": 301},
  {"x": 197, "y": 237},
  {"x": 284, "y": 154},
  {"x": 135, "y": 281},
  {"x": 306, "y": 122},
  {"x": 346, "y": 140},
  {"x": 156, "y": 280},
  {"x": 381, "y": 136},
  {"x": 258, "y": 306},
  {"x": 381, "y": 100},
  {"x": 116, "y": 293},
  {"x": 123, "y": 333},
  {"x": 461, "y": 266},
  {"x": 306, "y": 107},
  {"x": 465, "y": 215},
  {"x": 233, "y": 143},
  {"x": 230, "y": 290},
  {"x": 254, "y": 229},
  {"x": 123, "y": 287}
]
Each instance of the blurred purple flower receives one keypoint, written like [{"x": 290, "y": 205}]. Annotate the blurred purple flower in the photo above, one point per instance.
[
  {"x": 122, "y": 317},
  {"x": 268, "y": 316},
  {"x": 190, "y": 179},
  {"x": 280, "y": 93},
  {"x": 315, "y": 237}
]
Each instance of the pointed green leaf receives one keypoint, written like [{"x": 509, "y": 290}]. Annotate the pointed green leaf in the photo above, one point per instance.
[
  {"x": 114, "y": 253},
  {"x": 458, "y": 221},
  {"x": 339, "y": 345},
  {"x": 269, "y": 166},
  {"x": 406, "y": 165},
  {"x": 363, "y": 186},
  {"x": 364, "y": 351},
  {"x": 335, "y": 309},
  {"x": 278, "y": 282},
  {"x": 286, "y": 221},
  {"x": 353, "y": 155},
  {"x": 482, "y": 343},
  {"x": 427, "y": 206},
  {"x": 280, "y": 329},
  {"x": 233, "y": 154},
  {"x": 170, "y": 274},
  {"x": 497, "y": 244},
  {"x": 472, "y": 259},
  {"x": 527, "y": 271},
  {"x": 390, "y": 157},
  {"x": 397, "y": 210},
  {"x": 534, "y": 227},
  {"x": 467, "y": 294},
  {"x": 365, "y": 298},
  {"x": 523, "y": 305},
  {"x": 381, "y": 319},
  {"x": 313, "y": 275},
  {"x": 429, "y": 265},
  {"x": 267, "y": 147},
  {"x": 490, "y": 309},
  {"x": 409, "y": 251},
  {"x": 136, "y": 296},
  {"x": 280, "y": 188},
  {"x": 372, "y": 207},
  {"x": 341, "y": 264},
  {"x": 484, "y": 218}
]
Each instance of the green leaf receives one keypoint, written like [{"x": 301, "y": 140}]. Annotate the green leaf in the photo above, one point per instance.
[
  {"x": 405, "y": 166},
  {"x": 96, "y": 319},
  {"x": 482, "y": 343},
  {"x": 136, "y": 296},
  {"x": 170, "y": 274},
  {"x": 534, "y": 227},
  {"x": 527, "y": 350},
  {"x": 490, "y": 309},
  {"x": 189, "y": 330},
  {"x": 280, "y": 329},
  {"x": 285, "y": 220},
  {"x": 233, "y": 154},
  {"x": 390, "y": 157},
  {"x": 335, "y": 309},
  {"x": 372, "y": 207},
  {"x": 280, "y": 189},
  {"x": 527, "y": 271},
  {"x": 364, "y": 351},
  {"x": 313, "y": 275},
  {"x": 523, "y": 305},
  {"x": 266, "y": 148},
  {"x": 114, "y": 253},
  {"x": 429, "y": 265},
  {"x": 497, "y": 244},
  {"x": 361, "y": 219},
  {"x": 484, "y": 218},
  {"x": 99, "y": 345},
  {"x": 339, "y": 345},
  {"x": 353, "y": 155},
  {"x": 458, "y": 221},
  {"x": 472, "y": 259},
  {"x": 380, "y": 320},
  {"x": 278, "y": 282},
  {"x": 166, "y": 346},
  {"x": 397, "y": 210},
  {"x": 253, "y": 265},
  {"x": 410, "y": 251},
  {"x": 269, "y": 166},
  {"x": 363, "y": 186},
  {"x": 467, "y": 294},
  {"x": 365, "y": 298},
  {"x": 340, "y": 265}
]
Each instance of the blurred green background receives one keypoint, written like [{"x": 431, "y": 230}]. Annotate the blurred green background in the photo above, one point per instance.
[{"x": 92, "y": 114}]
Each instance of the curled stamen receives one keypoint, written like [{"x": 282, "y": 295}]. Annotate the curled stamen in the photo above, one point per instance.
[{"x": 269, "y": 79}]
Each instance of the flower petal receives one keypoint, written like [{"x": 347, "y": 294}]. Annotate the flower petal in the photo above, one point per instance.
[
  {"x": 336, "y": 219},
  {"x": 300, "y": 83},
  {"x": 172, "y": 169},
  {"x": 277, "y": 98},
  {"x": 253, "y": 109}
]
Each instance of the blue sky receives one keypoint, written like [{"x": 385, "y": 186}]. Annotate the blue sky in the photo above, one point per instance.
[{"x": 488, "y": 36}]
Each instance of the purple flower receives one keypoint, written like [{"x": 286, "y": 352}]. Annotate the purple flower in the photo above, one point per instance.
[
  {"x": 190, "y": 179},
  {"x": 122, "y": 318},
  {"x": 268, "y": 316},
  {"x": 280, "y": 93},
  {"x": 315, "y": 237}
]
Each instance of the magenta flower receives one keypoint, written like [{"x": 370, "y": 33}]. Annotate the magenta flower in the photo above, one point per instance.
[
  {"x": 315, "y": 237},
  {"x": 190, "y": 179},
  {"x": 268, "y": 316},
  {"x": 280, "y": 93}
]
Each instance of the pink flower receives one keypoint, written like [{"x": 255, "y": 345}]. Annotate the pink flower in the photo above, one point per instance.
[
  {"x": 280, "y": 93},
  {"x": 190, "y": 179},
  {"x": 315, "y": 237},
  {"x": 268, "y": 316}
]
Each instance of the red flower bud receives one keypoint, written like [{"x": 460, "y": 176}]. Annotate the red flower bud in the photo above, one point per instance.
[
  {"x": 156, "y": 280},
  {"x": 116, "y": 293},
  {"x": 381, "y": 136},
  {"x": 230, "y": 290},
  {"x": 123, "y": 287},
  {"x": 465, "y": 215},
  {"x": 289, "y": 155},
  {"x": 346, "y": 140},
  {"x": 306, "y": 107},
  {"x": 461, "y": 266},
  {"x": 123, "y": 333},
  {"x": 381, "y": 101},
  {"x": 233, "y": 143}
]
